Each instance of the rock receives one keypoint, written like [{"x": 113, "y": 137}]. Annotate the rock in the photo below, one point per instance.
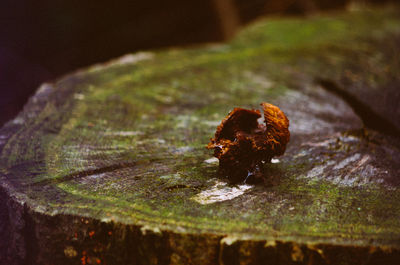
[{"x": 108, "y": 165}]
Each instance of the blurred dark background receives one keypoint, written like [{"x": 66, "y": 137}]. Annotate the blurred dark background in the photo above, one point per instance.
[{"x": 43, "y": 39}]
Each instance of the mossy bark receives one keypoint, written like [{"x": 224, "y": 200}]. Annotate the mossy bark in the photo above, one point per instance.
[{"x": 108, "y": 165}]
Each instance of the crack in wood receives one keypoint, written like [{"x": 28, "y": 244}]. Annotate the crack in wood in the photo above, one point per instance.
[
  {"x": 178, "y": 186},
  {"x": 369, "y": 117},
  {"x": 86, "y": 173},
  {"x": 183, "y": 186}
]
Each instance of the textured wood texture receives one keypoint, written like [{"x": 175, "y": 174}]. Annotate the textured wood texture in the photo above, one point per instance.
[{"x": 108, "y": 165}]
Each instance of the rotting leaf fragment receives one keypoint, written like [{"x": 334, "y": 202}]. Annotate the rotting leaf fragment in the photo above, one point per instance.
[{"x": 243, "y": 145}]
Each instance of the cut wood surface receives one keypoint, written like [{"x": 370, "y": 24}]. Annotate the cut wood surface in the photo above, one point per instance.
[{"x": 108, "y": 165}]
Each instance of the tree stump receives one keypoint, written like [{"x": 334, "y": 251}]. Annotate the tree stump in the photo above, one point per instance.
[{"x": 108, "y": 165}]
